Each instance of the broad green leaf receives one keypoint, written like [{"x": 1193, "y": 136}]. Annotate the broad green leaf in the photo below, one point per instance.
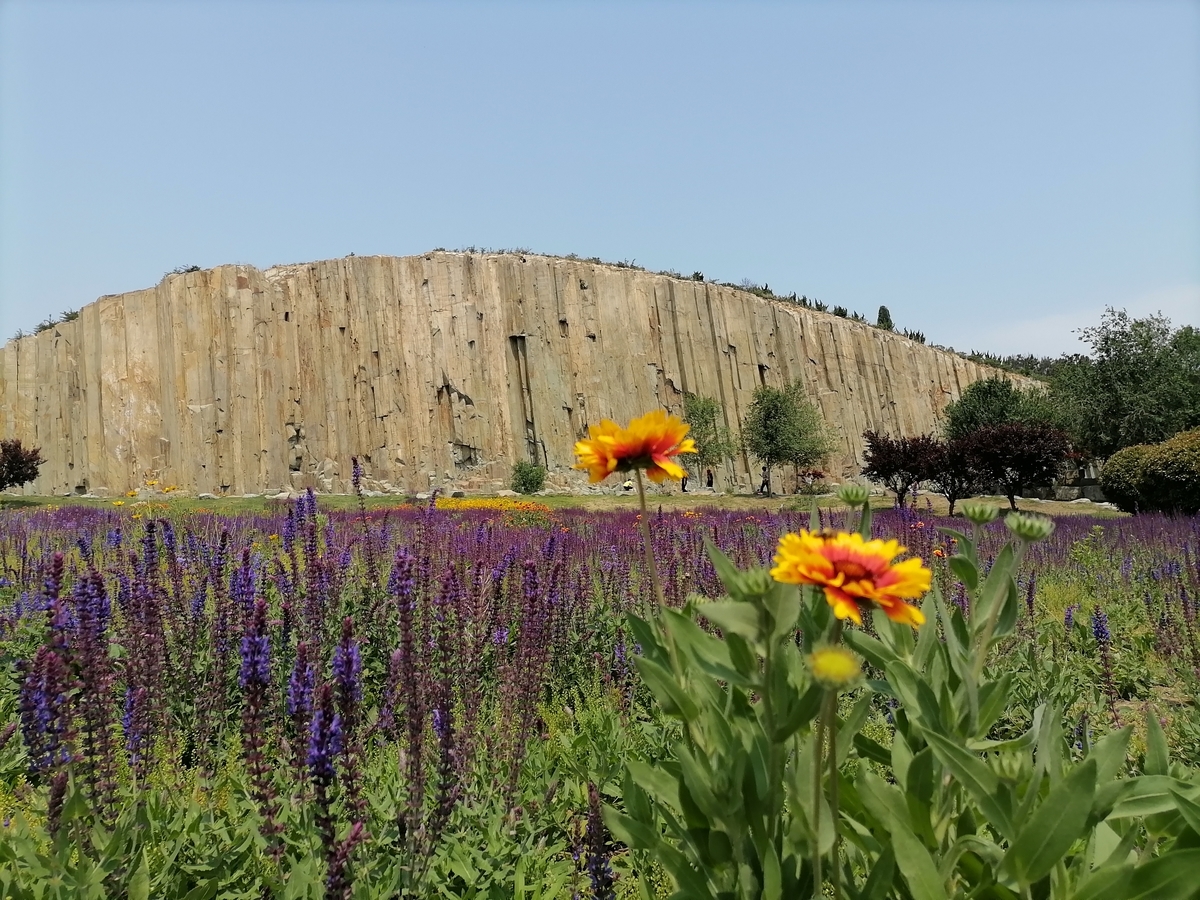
[
  {"x": 139, "y": 882},
  {"x": 847, "y": 730},
  {"x": 1144, "y": 796},
  {"x": 783, "y": 603},
  {"x": 975, "y": 776},
  {"x": 1105, "y": 883},
  {"x": 1170, "y": 877},
  {"x": 1189, "y": 809},
  {"x": 1158, "y": 760},
  {"x": 965, "y": 571},
  {"x": 1054, "y": 827},
  {"x": 654, "y": 781},
  {"x": 883, "y": 873},
  {"x": 772, "y": 877},
  {"x": 916, "y": 865},
  {"x": 870, "y": 648},
  {"x": 634, "y": 834},
  {"x": 673, "y": 699},
  {"x": 1110, "y": 753},
  {"x": 733, "y": 616}
]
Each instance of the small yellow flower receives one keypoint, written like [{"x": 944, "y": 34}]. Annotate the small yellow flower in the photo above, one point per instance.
[
  {"x": 272, "y": 537},
  {"x": 131, "y": 493},
  {"x": 136, "y": 516},
  {"x": 834, "y": 668},
  {"x": 151, "y": 483},
  {"x": 118, "y": 503},
  {"x": 854, "y": 573},
  {"x": 648, "y": 443}
]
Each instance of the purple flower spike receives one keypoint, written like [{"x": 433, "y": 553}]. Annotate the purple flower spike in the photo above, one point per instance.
[{"x": 256, "y": 649}]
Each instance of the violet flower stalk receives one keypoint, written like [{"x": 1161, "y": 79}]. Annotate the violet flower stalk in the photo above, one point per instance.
[
  {"x": 599, "y": 853},
  {"x": 324, "y": 747},
  {"x": 254, "y": 677},
  {"x": 347, "y": 683},
  {"x": 301, "y": 685},
  {"x": 1104, "y": 642},
  {"x": 93, "y": 612}
]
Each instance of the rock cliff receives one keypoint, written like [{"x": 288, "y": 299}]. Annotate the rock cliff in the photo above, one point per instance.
[{"x": 439, "y": 368}]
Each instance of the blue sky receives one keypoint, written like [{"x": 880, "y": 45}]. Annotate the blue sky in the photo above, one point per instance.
[{"x": 995, "y": 173}]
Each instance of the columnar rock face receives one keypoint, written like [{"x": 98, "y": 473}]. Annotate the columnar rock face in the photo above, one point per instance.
[{"x": 435, "y": 368}]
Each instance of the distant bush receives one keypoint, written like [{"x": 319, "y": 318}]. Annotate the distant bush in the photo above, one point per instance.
[
  {"x": 528, "y": 478},
  {"x": 1121, "y": 477},
  {"x": 1170, "y": 481},
  {"x": 899, "y": 464}
]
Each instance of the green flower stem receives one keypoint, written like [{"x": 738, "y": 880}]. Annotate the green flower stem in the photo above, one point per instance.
[
  {"x": 655, "y": 584},
  {"x": 985, "y": 639},
  {"x": 834, "y": 869},
  {"x": 818, "y": 746}
]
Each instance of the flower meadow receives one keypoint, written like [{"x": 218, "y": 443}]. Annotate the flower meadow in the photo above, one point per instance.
[{"x": 486, "y": 699}]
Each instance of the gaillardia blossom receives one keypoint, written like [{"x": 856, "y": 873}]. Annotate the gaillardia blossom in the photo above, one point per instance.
[
  {"x": 854, "y": 573},
  {"x": 648, "y": 443}
]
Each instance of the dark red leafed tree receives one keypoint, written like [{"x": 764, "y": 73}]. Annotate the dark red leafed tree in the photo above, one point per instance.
[
  {"x": 18, "y": 466},
  {"x": 899, "y": 464},
  {"x": 954, "y": 472},
  {"x": 1017, "y": 454}
]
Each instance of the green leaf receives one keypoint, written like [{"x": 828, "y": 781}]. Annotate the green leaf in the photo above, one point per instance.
[
  {"x": 1189, "y": 809},
  {"x": 872, "y": 649},
  {"x": 733, "y": 616},
  {"x": 772, "y": 877},
  {"x": 883, "y": 873},
  {"x": 1110, "y": 753},
  {"x": 975, "y": 776},
  {"x": 800, "y": 713},
  {"x": 783, "y": 603},
  {"x": 1158, "y": 760},
  {"x": 965, "y": 571},
  {"x": 1056, "y": 825},
  {"x": 627, "y": 831},
  {"x": 673, "y": 699},
  {"x": 1170, "y": 877},
  {"x": 1144, "y": 796},
  {"x": 886, "y": 804},
  {"x": 1106, "y": 883},
  {"x": 139, "y": 882}
]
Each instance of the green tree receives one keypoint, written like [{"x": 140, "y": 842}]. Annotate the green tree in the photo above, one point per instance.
[
  {"x": 1139, "y": 385},
  {"x": 883, "y": 319},
  {"x": 714, "y": 442},
  {"x": 783, "y": 427},
  {"x": 996, "y": 401}
]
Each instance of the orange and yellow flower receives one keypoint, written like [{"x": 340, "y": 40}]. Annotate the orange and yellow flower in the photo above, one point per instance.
[
  {"x": 648, "y": 443},
  {"x": 854, "y": 573}
]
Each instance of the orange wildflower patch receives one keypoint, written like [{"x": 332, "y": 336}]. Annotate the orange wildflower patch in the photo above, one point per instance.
[
  {"x": 854, "y": 573},
  {"x": 650, "y": 442}
]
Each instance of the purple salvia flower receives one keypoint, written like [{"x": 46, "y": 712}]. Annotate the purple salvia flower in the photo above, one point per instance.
[
  {"x": 325, "y": 739},
  {"x": 1100, "y": 627},
  {"x": 256, "y": 649},
  {"x": 347, "y": 665},
  {"x": 1069, "y": 617},
  {"x": 301, "y": 683}
]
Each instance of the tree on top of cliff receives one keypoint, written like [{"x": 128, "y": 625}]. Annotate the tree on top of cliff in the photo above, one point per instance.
[
  {"x": 18, "y": 466},
  {"x": 782, "y": 427}
]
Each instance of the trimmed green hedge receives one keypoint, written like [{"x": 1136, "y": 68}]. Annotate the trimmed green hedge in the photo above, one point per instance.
[
  {"x": 1171, "y": 481},
  {"x": 1156, "y": 477},
  {"x": 1121, "y": 477}
]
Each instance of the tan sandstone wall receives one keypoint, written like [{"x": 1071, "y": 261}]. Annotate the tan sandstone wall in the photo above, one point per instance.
[{"x": 434, "y": 368}]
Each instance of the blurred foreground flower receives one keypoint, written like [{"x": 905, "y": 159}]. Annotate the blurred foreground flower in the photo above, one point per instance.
[
  {"x": 854, "y": 573},
  {"x": 834, "y": 668},
  {"x": 648, "y": 443}
]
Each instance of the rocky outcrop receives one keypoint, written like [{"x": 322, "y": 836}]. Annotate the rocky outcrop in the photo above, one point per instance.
[{"x": 434, "y": 368}]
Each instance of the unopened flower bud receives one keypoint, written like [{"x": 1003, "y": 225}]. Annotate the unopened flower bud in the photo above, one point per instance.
[
  {"x": 980, "y": 513},
  {"x": 834, "y": 668},
  {"x": 853, "y": 494},
  {"x": 1029, "y": 528}
]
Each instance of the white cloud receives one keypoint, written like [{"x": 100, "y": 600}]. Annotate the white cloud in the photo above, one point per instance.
[{"x": 1056, "y": 333}]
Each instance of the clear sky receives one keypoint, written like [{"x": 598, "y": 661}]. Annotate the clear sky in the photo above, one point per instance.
[{"x": 995, "y": 173}]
